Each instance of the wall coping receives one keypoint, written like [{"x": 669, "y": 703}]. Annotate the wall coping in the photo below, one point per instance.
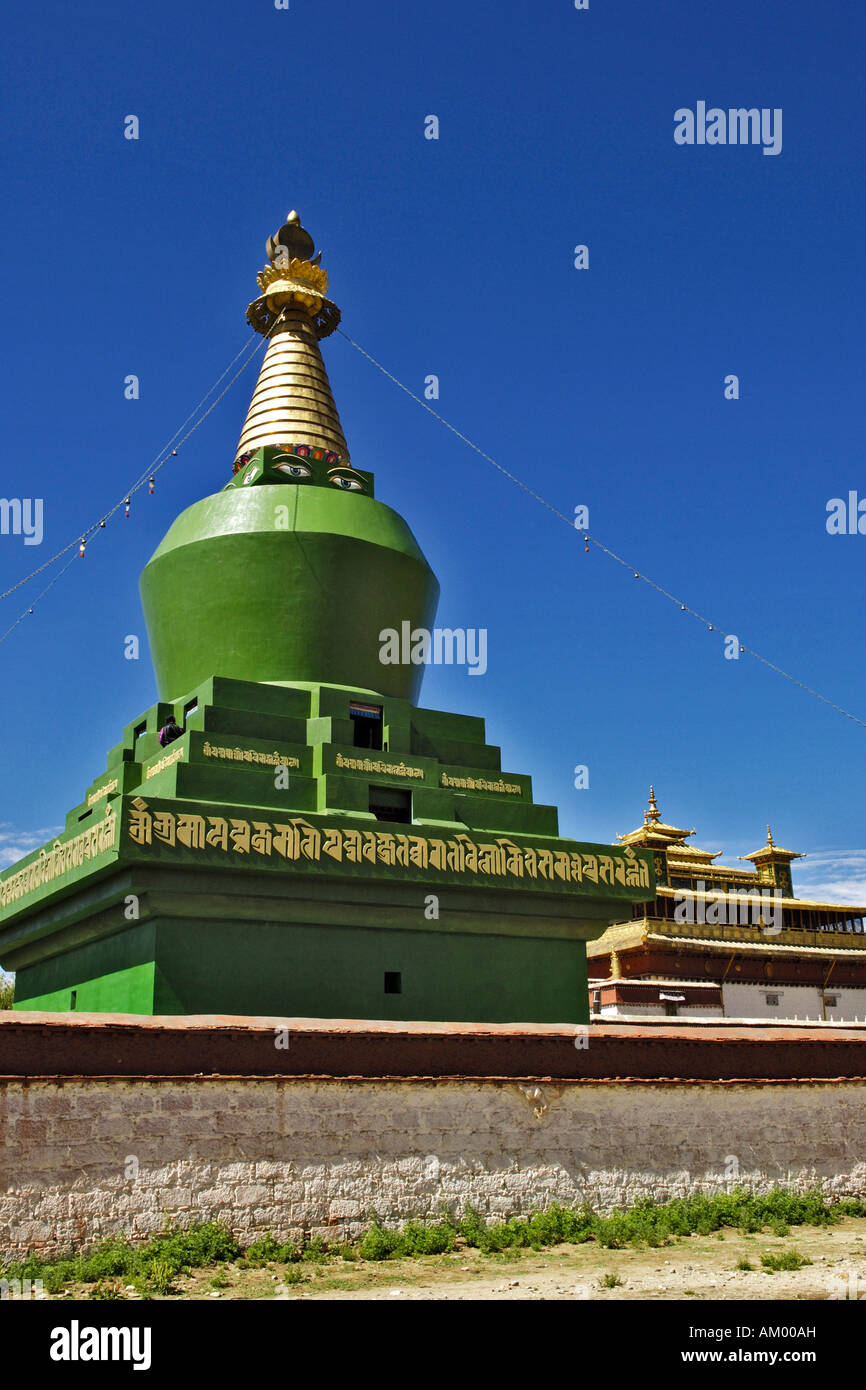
[{"x": 56, "y": 1046}]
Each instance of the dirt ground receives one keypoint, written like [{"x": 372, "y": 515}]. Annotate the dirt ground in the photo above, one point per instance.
[{"x": 691, "y": 1267}]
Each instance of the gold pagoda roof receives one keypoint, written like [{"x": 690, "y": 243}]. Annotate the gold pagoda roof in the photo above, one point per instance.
[
  {"x": 658, "y": 931},
  {"x": 658, "y": 835},
  {"x": 654, "y": 832},
  {"x": 772, "y": 852}
]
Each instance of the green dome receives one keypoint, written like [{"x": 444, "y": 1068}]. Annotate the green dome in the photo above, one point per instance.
[{"x": 285, "y": 584}]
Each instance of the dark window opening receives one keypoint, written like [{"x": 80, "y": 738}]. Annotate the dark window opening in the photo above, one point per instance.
[
  {"x": 85, "y": 814},
  {"x": 73, "y": 999},
  {"x": 190, "y": 708},
  {"x": 366, "y": 725},
  {"x": 142, "y": 729},
  {"x": 391, "y": 803},
  {"x": 393, "y": 982},
  {"x": 670, "y": 1010}
]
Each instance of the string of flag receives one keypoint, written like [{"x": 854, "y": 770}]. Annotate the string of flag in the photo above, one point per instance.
[
  {"x": 165, "y": 455},
  {"x": 589, "y": 539}
]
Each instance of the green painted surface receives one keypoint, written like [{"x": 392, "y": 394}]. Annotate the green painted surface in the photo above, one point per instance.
[
  {"x": 334, "y": 972},
  {"x": 123, "y": 991},
  {"x": 114, "y": 974},
  {"x": 286, "y": 854},
  {"x": 260, "y": 881},
  {"x": 283, "y": 583}
]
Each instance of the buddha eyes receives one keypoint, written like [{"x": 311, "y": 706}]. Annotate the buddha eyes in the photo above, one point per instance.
[
  {"x": 250, "y": 476},
  {"x": 294, "y": 470},
  {"x": 348, "y": 484}
]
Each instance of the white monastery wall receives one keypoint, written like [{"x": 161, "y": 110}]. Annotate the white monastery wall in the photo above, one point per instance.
[{"x": 81, "y": 1159}]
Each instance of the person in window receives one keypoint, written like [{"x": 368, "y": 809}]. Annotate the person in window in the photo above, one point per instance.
[{"x": 169, "y": 732}]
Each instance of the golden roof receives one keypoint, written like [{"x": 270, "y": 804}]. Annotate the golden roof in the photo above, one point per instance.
[
  {"x": 772, "y": 852},
  {"x": 842, "y": 909},
  {"x": 654, "y": 831},
  {"x": 625, "y": 936},
  {"x": 689, "y": 853},
  {"x": 740, "y": 947},
  {"x": 656, "y": 834}
]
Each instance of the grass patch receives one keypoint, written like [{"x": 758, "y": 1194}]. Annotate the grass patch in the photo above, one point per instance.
[
  {"x": 791, "y": 1259},
  {"x": 154, "y": 1268}
]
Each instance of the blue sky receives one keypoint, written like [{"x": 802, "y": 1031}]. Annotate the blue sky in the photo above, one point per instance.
[{"x": 603, "y": 387}]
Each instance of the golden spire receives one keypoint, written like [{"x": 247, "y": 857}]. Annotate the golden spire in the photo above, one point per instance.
[
  {"x": 292, "y": 402},
  {"x": 653, "y": 813},
  {"x": 770, "y": 841}
]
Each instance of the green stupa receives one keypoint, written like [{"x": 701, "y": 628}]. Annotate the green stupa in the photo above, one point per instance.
[{"x": 313, "y": 843}]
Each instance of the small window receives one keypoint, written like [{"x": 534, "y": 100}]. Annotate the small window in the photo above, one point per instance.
[
  {"x": 85, "y": 814},
  {"x": 391, "y": 803},
  {"x": 366, "y": 724},
  {"x": 393, "y": 982},
  {"x": 190, "y": 708},
  {"x": 73, "y": 999},
  {"x": 142, "y": 729},
  {"x": 831, "y": 1000},
  {"x": 772, "y": 1000}
]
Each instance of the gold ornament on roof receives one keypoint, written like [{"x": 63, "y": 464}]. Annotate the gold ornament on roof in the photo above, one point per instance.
[{"x": 294, "y": 278}]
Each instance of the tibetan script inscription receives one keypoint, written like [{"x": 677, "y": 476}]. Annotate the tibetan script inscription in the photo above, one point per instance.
[
  {"x": 60, "y": 859},
  {"x": 105, "y": 790},
  {"x": 481, "y": 784},
  {"x": 163, "y": 763},
  {"x": 376, "y": 765},
  {"x": 249, "y": 755},
  {"x": 297, "y": 840}
]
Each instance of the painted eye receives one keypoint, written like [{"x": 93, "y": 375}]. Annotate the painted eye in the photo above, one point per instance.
[
  {"x": 348, "y": 484},
  {"x": 294, "y": 470},
  {"x": 250, "y": 476}
]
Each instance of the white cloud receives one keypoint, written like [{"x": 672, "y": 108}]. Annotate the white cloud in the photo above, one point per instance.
[
  {"x": 832, "y": 876},
  {"x": 15, "y": 843}
]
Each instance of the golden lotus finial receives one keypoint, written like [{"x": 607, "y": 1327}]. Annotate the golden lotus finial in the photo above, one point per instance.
[
  {"x": 653, "y": 813},
  {"x": 291, "y": 242},
  {"x": 294, "y": 279}
]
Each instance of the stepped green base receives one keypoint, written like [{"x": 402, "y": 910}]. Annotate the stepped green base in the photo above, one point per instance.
[
  {"x": 243, "y": 965},
  {"x": 243, "y": 870}
]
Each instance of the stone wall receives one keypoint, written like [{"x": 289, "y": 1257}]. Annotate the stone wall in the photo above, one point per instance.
[{"x": 86, "y": 1157}]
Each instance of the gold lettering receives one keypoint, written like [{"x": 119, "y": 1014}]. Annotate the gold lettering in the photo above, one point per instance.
[
  {"x": 164, "y": 826},
  {"x": 140, "y": 822},
  {"x": 261, "y": 841},
  {"x": 333, "y": 844},
  {"x": 190, "y": 831},
  {"x": 218, "y": 835},
  {"x": 240, "y": 836}
]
